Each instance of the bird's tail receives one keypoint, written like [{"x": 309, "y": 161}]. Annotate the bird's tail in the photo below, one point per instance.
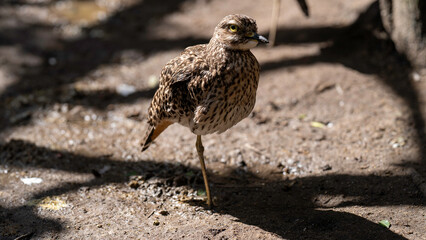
[{"x": 152, "y": 133}]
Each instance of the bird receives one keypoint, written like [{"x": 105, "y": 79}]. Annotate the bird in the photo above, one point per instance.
[{"x": 209, "y": 87}]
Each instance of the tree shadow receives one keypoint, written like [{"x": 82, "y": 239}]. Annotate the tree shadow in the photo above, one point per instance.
[
  {"x": 287, "y": 208},
  {"x": 365, "y": 47},
  {"x": 126, "y": 29},
  {"x": 305, "y": 210}
]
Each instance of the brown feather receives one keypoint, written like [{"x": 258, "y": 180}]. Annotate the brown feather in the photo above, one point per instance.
[{"x": 209, "y": 87}]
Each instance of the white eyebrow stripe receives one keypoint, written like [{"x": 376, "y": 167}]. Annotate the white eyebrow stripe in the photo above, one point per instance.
[{"x": 233, "y": 22}]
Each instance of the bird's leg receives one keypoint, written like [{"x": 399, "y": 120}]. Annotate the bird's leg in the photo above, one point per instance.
[{"x": 200, "y": 151}]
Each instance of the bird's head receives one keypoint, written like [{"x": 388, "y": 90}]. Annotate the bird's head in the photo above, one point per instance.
[{"x": 238, "y": 32}]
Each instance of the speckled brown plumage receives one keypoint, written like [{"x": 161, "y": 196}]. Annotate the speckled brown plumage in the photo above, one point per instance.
[{"x": 210, "y": 87}]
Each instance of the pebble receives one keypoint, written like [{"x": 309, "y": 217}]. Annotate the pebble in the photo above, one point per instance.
[
  {"x": 125, "y": 89},
  {"x": 164, "y": 212},
  {"x": 326, "y": 168},
  {"x": 30, "y": 181}
]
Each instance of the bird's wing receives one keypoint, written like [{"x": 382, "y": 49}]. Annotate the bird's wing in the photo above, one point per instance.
[
  {"x": 181, "y": 83},
  {"x": 188, "y": 67}
]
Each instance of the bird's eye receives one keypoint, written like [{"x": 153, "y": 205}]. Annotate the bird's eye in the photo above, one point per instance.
[{"x": 233, "y": 28}]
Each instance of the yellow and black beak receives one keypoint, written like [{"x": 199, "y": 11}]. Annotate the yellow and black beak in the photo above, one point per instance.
[{"x": 259, "y": 38}]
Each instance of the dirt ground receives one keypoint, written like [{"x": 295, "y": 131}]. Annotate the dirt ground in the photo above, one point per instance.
[{"x": 335, "y": 144}]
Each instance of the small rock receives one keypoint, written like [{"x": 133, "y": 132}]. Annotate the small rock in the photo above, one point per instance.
[
  {"x": 398, "y": 142},
  {"x": 155, "y": 181},
  {"x": 215, "y": 232},
  {"x": 159, "y": 193},
  {"x": 164, "y": 212},
  {"x": 324, "y": 86},
  {"x": 320, "y": 137},
  {"x": 153, "y": 81},
  {"x": 326, "y": 168},
  {"x": 416, "y": 76},
  {"x": 134, "y": 184},
  {"x": 84, "y": 189},
  {"x": 30, "y": 181},
  {"x": 156, "y": 223},
  {"x": 125, "y": 89}
]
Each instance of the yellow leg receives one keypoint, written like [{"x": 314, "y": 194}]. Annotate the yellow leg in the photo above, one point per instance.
[{"x": 200, "y": 151}]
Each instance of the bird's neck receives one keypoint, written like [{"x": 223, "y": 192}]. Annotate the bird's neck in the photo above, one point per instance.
[
  {"x": 217, "y": 44},
  {"x": 221, "y": 52}
]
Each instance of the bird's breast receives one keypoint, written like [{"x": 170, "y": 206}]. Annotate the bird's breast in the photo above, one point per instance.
[{"x": 227, "y": 103}]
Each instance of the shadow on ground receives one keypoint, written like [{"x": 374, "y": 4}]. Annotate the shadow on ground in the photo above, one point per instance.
[
  {"x": 363, "y": 46},
  {"x": 279, "y": 207},
  {"x": 286, "y": 208},
  {"x": 124, "y": 30}
]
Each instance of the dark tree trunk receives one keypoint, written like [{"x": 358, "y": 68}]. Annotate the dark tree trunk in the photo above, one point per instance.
[{"x": 405, "y": 21}]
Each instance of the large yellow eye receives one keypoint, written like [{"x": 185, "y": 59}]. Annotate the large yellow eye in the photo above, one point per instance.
[{"x": 233, "y": 28}]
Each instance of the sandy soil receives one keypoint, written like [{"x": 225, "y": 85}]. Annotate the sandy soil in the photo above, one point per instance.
[{"x": 335, "y": 144}]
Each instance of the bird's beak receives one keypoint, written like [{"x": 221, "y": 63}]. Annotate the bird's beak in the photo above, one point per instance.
[{"x": 259, "y": 38}]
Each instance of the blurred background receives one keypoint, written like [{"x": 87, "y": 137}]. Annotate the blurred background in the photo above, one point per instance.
[{"x": 335, "y": 144}]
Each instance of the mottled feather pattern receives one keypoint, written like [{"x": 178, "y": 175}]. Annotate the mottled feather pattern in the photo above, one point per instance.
[{"x": 210, "y": 87}]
